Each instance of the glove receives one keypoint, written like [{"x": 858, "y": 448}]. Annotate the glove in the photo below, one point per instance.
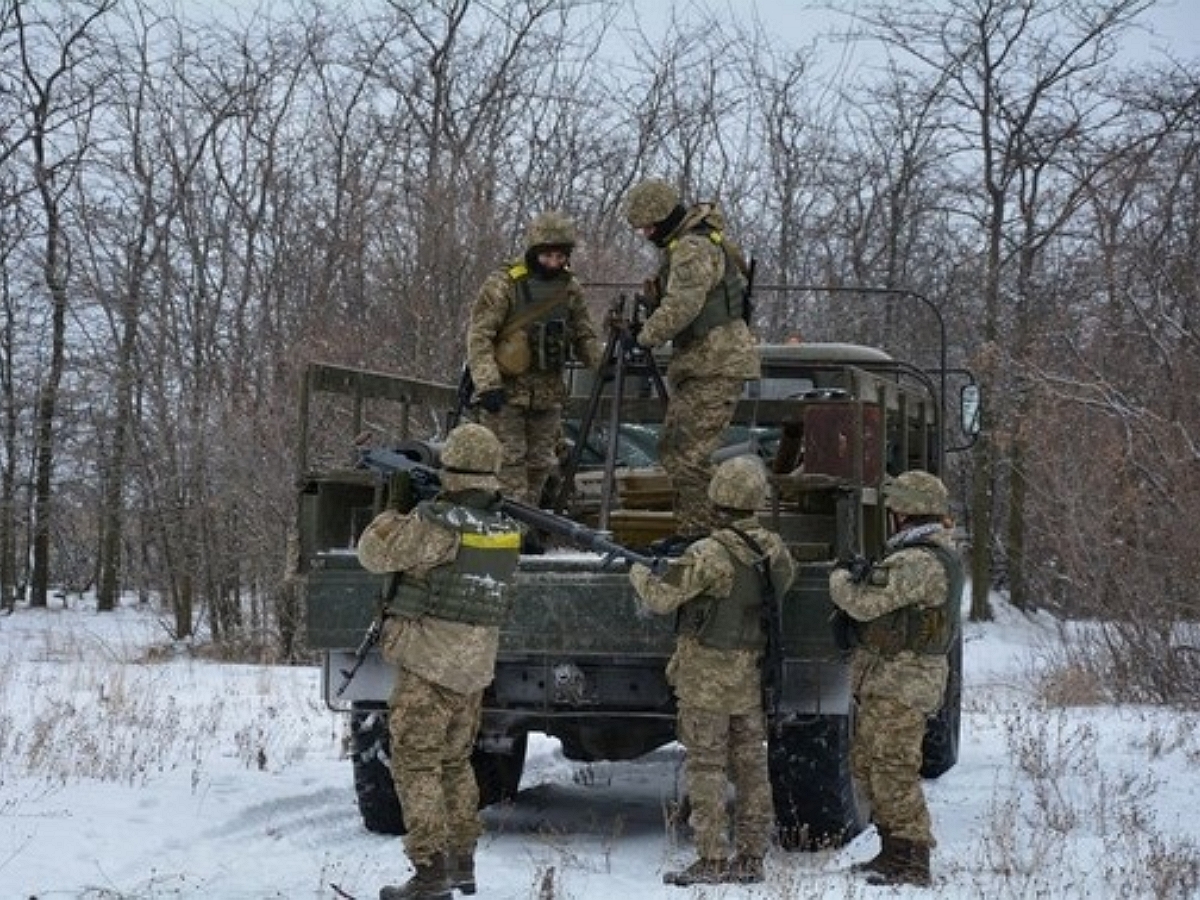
[
  {"x": 493, "y": 399},
  {"x": 859, "y": 568},
  {"x": 629, "y": 335}
]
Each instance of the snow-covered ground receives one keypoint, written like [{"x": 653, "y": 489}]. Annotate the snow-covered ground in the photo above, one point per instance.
[{"x": 128, "y": 772}]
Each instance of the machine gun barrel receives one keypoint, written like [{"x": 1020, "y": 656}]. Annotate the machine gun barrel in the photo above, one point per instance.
[{"x": 426, "y": 483}]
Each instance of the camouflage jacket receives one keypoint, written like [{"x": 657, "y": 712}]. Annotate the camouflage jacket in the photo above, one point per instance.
[
  {"x": 456, "y": 655},
  {"x": 704, "y": 677},
  {"x": 695, "y": 265},
  {"x": 911, "y": 576},
  {"x": 497, "y": 302}
]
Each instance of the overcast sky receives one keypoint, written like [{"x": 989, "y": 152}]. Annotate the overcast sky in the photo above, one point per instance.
[{"x": 1172, "y": 25}]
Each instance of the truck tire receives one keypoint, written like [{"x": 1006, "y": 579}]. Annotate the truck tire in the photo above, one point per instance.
[
  {"x": 817, "y": 802},
  {"x": 499, "y": 774},
  {"x": 940, "y": 750},
  {"x": 369, "y": 745}
]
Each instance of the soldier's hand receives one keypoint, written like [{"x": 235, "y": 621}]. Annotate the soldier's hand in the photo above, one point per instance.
[
  {"x": 493, "y": 399},
  {"x": 859, "y": 568}
]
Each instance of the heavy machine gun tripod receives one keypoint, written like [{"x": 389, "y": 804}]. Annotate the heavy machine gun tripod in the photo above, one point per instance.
[{"x": 623, "y": 356}]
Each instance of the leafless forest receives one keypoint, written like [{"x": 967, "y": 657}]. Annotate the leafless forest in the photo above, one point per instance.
[{"x": 194, "y": 206}]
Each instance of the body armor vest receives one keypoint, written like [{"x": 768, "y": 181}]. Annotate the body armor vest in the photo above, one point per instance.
[
  {"x": 724, "y": 303},
  {"x": 547, "y": 333},
  {"x": 929, "y": 631},
  {"x": 728, "y": 623},
  {"x": 474, "y": 587}
]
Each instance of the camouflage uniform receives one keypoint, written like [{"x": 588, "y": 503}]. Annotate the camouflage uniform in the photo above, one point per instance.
[
  {"x": 902, "y": 624},
  {"x": 716, "y": 673},
  {"x": 709, "y": 364},
  {"x": 530, "y": 421},
  {"x": 442, "y": 633}
]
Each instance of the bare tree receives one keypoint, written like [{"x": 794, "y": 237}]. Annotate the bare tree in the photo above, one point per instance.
[
  {"x": 58, "y": 104},
  {"x": 1014, "y": 69}
]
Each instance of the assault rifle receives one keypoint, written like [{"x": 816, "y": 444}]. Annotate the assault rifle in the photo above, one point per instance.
[
  {"x": 462, "y": 397},
  {"x": 369, "y": 640},
  {"x": 425, "y": 483},
  {"x": 771, "y": 616}
]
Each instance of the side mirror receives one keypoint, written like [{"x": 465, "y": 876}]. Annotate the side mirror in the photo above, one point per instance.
[{"x": 970, "y": 404}]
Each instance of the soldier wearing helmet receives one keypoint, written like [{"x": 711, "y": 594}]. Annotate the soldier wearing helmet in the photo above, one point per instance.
[
  {"x": 699, "y": 303},
  {"x": 904, "y": 612},
  {"x": 452, "y": 559},
  {"x": 717, "y": 589},
  {"x": 528, "y": 320}
]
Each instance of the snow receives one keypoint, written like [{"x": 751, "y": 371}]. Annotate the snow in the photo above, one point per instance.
[{"x": 132, "y": 771}]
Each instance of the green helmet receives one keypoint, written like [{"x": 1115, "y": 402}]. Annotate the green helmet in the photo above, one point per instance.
[
  {"x": 916, "y": 493},
  {"x": 550, "y": 229},
  {"x": 471, "y": 449},
  {"x": 649, "y": 202},
  {"x": 739, "y": 483}
]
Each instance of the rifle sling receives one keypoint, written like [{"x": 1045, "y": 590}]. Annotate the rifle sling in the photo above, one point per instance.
[{"x": 528, "y": 314}]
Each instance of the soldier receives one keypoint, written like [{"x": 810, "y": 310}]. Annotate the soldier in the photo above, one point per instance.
[
  {"x": 454, "y": 557},
  {"x": 529, "y": 316},
  {"x": 904, "y": 613},
  {"x": 699, "y": 304},
  {"x": 718, "y": 587}
]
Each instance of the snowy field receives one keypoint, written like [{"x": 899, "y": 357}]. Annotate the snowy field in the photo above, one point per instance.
[{"x": 127, "y": 771}]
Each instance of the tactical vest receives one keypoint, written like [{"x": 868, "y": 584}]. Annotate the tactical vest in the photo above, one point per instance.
[
  {"x": 728, "y": 623},
  {"x": 929, "y": 631},
  {"x": 547, "y": 334},
  {"x": 474, "y": 587},
  {"x": 724, "y": 303}
]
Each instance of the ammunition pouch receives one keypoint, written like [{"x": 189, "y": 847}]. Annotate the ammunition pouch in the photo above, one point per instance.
[
  {"x": 927, "y": 632},
  {"x": 512, "y": 353},
  {"x": 548, "y": 345}
]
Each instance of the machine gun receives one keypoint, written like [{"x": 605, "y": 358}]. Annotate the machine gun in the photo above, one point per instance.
[{"x": 425, "y": 484}]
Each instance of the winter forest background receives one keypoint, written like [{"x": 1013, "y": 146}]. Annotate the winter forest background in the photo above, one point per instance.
[{"x": 193, "y": 206}]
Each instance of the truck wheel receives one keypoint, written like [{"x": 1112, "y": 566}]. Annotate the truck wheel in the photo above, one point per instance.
[
  {"x": 944, "y": 729},
  {"x": 817, "y": 802},
  {"x": 369, "y": 744},
  {"x": 499, "y": 774}
]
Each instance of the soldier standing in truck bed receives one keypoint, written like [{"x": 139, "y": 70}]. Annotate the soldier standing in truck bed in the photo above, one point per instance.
[
  {"x": 718, "y": 588},
  {"x": 699, "y": 305},
  {"x": 529, "y": 317},
  {"x": 455, "y": 557},
  {"x": 903, "y": 626}
]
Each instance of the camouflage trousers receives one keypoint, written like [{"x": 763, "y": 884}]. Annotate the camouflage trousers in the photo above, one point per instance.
[
  {"x": 886, "y": 760},
  {"x": 699, "y": 411},
  {"x": 433, "y": 733},
  {"x": 530, "y": 439},
  {"x": 724, "y": 749}
]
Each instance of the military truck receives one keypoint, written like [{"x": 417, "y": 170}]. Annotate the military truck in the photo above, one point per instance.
[{"x": 579, "y": 661}]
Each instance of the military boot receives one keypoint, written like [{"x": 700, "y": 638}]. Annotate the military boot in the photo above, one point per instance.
[
  {"x": 883, "y": 861},
  {"x": 428, "y": 883},
  {"x": 702, "y": 871},
  {"x": 746, "y": 868},
  {"x": 460, "y": 869},
  {"x": 911, "y": 866}
]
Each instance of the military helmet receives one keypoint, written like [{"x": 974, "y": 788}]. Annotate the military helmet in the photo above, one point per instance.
[
  {"x": 916, "y": 493},
  {"x": 739, "y": 483},
  {"x": 550, "y": 229},
  {"x": 649, "y": 202},
  {"x": 471, "y": 449}
]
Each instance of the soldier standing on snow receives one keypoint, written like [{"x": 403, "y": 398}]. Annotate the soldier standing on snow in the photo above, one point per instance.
[
  {"x": 529, "y": 317},
  {"x": 904, "y": 613},
  {"x": 699, "y": 302},
  {"x": 718, "y": 587},
  {"x": 455, "y": 555}
]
